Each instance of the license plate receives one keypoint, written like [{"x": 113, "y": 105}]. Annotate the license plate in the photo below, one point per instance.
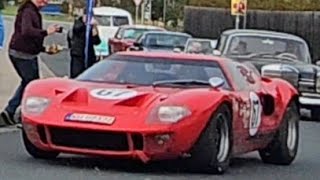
[{"x": 90, "y": 118}]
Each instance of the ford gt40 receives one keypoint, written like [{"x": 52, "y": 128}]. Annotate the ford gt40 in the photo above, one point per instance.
[{"x": 161, "y": 106}]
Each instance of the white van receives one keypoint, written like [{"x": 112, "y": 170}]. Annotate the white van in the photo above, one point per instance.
[{"x": 109, "y": 19}]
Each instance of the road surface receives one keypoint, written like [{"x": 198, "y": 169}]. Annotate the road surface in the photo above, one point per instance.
[{"x": 16, "y": 164}]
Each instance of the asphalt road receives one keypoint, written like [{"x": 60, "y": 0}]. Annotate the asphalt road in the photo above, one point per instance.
[{"x": 16, "y": 164}]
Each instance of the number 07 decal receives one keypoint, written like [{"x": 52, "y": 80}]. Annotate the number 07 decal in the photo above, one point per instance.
[{"x": 255, "y": 113}]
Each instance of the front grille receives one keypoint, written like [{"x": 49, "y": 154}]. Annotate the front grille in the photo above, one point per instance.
[
  {"x": 307, "y": 85},
  {"x": 89, "y": 139}
]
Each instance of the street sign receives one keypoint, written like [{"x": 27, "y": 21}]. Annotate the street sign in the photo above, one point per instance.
[
  {"x": 137, "y": 2},
  {"x": 238, "y": 7}
]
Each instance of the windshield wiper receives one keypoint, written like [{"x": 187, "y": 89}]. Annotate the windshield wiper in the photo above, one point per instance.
[{"x": 182, "y": 82}]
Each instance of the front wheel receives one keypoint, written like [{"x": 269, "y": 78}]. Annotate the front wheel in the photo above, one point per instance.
[
  {"x": 36, "y": 152},
  {"x": 211, "y": 154},
  {"x": 283, "y": 149}
]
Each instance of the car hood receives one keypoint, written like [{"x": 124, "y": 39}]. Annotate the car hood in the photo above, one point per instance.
[
  {"x": 124, "y": 102},
  {"x": 309, "y": 70}
]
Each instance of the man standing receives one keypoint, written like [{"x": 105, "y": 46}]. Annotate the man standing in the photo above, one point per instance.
[
  {"x": 77, "y": 43},
  {"x": 25, "y": 45}
]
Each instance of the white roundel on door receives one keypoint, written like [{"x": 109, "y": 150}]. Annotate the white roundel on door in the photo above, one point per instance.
[
  {"x": 255, "y": 113},
  {"x": 113, "y": 94}
]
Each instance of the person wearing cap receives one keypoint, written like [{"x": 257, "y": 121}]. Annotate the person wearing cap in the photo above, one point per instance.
[{"x": 77, "y": 44}]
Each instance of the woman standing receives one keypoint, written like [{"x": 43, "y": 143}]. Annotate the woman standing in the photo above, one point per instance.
[{"x": 25, "y": 45}]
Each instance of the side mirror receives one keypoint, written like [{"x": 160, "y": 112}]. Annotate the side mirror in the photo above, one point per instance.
[
  {"x": 216, "y": 82},
  {"x": 216, "y": 52}
]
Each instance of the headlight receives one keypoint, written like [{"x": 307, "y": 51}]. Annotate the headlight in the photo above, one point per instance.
[
  {"x": 286, "y": 72},
  {"x": 172, "y": 114},
  {"x": 36, "y": 105},
  {"x": 318, "y": 82}
]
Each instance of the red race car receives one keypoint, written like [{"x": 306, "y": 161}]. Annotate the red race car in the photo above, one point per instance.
[
  {"x": 127, "y": 35},
  {"x": 156, "y": 106}
]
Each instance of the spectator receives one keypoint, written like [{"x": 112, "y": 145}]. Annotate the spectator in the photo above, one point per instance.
[
  {"x": 25, "y": 45},
  {"x": 77, "y": 43}
]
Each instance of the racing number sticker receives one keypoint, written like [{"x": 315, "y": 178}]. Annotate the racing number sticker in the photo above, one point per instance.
[
  {"x": 255, "y": 113},
  {"x": 113, "y": 94}
]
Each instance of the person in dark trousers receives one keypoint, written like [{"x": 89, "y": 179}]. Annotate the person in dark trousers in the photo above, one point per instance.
[
  {"x": 77, "y": 43},
  {"x": 25, "y": 45}
]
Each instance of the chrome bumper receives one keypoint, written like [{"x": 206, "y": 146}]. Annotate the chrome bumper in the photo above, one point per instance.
[{"x": 309, "y": 101}]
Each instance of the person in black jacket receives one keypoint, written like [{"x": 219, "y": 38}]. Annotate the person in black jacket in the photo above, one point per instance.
[
  {"x": 25, "y": 45},
  {"x": 77, "y": 43}
]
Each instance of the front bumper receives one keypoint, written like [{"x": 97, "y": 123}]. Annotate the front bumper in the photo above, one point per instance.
[{"x": 147, "y": 146}]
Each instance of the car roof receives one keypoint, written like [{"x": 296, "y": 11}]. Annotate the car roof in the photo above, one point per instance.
[
  {"x": 200, "y": 39},
  {"x": 139, "y": 26},
  {"x": 262, "y": 32},
  {"x": 110, "y": 11},
  {"x": 169, "y": 33},
  {"x": 172, "y": 56}
]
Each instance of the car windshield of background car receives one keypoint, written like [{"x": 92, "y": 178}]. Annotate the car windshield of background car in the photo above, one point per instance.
[
  {"x": 103, "y": 20},
  {"x": 133, "y": 33},
  {"x": 147, "y": 71},
  {"x": 120, "y": 20},
  {"x": 166, "y": 40},
  {"x": 272, "y": 46},
  {"x": 199, "y": 47}
]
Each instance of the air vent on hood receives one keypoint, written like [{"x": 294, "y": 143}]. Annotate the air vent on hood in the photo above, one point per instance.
[
  {"x": 136, "y": 101},
  {"x": 79, "y": 96}
]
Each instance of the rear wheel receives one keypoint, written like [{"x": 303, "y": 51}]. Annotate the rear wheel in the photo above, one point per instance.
[
  {"x": 211, "y": 154},
  {"x": 36, "y": 152},
  {"x": 284, "y": 147}
]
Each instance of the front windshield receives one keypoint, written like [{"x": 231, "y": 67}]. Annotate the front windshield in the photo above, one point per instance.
[
  {"x": 170, "y": 41},
  {"x": 199, "y": 47},
  {"x": 267, "y": 47},
  {"x": 103, "y": 20},
  {"x": 147, "y": 72}
]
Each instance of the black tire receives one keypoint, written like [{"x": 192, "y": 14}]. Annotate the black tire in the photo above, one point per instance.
[
  {"x": 36, "y": 152},
  {"x": 204, "y": 154},
  {"x": 278, "y": 151},
  {"x": 315, "y": 114}
]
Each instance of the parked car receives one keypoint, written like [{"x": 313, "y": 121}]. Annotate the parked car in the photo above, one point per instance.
[
  {"x": 127, "y": 35},
  {"x": 109, "y": 20},
  {"x": 200, "y": 46},
  {"x": 166, "y": 41},
  {"x": 277, "y": 54},
  {"x": 158, "y": 106}
]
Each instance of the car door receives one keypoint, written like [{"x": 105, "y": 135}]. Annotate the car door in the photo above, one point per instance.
[{"x": 247, "y": 104}]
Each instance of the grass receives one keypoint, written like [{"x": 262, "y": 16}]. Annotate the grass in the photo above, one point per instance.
[{"x": 12, "y": 11}]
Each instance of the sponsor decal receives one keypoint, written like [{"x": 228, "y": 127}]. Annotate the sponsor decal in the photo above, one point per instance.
[
  {"x": 255, "y": 113},
  {"x": 90, "y": 118},
  {"x": 113, "y": 94}
]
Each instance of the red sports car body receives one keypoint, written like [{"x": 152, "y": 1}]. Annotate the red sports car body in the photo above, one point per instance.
[
  {"x": 156, "y": 106},
  {"x": 127, "y": 35}
]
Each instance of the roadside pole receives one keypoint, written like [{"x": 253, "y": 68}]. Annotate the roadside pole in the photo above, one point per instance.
[{"x": 137, "y": 3}]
